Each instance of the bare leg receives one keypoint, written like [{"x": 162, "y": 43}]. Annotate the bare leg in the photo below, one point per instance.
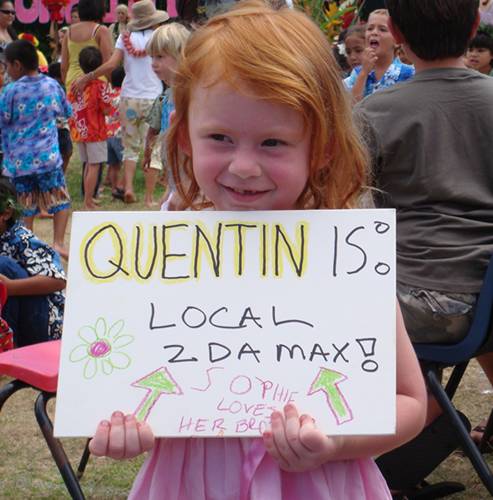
[
  {"x": 151, "y": 175},
  {"x": 129, "y": 167},
  {"x": 90, "y": 181},
  {"x": 60, "y": 220}
]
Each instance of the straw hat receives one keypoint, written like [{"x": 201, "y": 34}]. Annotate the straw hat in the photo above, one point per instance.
[{"x": 145, "y": 15}]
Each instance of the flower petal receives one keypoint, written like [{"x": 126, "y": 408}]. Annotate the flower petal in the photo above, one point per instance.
[
  {"x": 120, "y": 360},
  {"x": 107, "y": 366},
  {"x": 122, "y": 341},
  {"x": 87, "y": 334},
  {"x": 100, "y": 328},
  {"x": 116, "y": 328},
  {"x": 90, "y": 368},
  {"x": 79, "y": 353}
]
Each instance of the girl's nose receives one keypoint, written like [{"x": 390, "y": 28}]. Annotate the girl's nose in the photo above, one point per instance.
[{"x": 245, "y": 165}]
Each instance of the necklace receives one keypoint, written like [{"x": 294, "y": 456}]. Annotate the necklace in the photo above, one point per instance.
[{"x": 130, "y": 48}]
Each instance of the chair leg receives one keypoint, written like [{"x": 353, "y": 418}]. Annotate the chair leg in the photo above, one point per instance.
[
  {"x": 83, "y": 461},
  {"x": 455, "y": 378},
  {"x": 468, "y": 445},
  {"x": 10, "y": 388},
  {"x": 56, "y": 447}
]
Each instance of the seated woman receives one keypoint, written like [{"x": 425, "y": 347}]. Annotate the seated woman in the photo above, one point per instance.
[
  {"x": 32, "y": 274},
  {"x": 379, "y": 68}
]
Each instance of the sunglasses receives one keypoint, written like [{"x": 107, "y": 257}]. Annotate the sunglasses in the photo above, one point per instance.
[{"x": 6, "y": 12}]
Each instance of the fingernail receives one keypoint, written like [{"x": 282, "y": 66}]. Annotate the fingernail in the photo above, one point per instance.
[
  {"x": 117, "y": 414},
  {"x": 129, "y": 418},
  {"x": 104, "y": 423}
]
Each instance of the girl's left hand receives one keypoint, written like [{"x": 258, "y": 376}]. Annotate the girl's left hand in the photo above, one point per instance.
[{"x": 296, "y": 443}]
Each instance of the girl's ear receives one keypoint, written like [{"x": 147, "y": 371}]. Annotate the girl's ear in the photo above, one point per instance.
[{"x": 182, "y": 136}]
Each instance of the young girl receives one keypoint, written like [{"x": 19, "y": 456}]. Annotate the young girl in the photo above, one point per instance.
[
  {"x": 379, "y": 68},
  {"x": 33, "y": 277},
  {"x": 264, "y": 121},
  {"x": 354, "y": 43}
]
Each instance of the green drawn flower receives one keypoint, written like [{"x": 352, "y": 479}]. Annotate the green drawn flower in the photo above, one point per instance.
[{"x": 101, "y": 349}]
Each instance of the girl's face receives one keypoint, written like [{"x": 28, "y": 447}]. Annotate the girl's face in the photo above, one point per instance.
[
  {"x": 7, "y": 14},
  {"x": 164, "y": 66},
  {"x": 355, "y": 45},
  {"x": 121, "y": 16},
  {"x": 74, "y": 17},
  {"x": 248, "y": 153},
  {"x": 479, "y": 58},
  {"x": 378, "y": 36}
]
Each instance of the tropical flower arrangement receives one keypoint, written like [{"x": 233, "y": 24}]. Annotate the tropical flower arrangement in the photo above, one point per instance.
[
  {"x": 332, "y": 16},
  {"x": 55, "y": 7}
]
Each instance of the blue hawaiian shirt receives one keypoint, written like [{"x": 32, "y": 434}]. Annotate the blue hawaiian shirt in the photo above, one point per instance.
[
  {"x": 29, "y": 108},
  {"x": 38, "y": 259},
  {"x": 396, "y": 72},
  {"x": 167, "y": 107}
]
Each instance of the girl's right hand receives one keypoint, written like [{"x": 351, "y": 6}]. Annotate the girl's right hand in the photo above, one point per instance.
[
  {"x": 368, "y": 61},
  {"x": 122, "y": 437}
]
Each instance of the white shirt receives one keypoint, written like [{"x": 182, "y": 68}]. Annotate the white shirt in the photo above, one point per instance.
[{"x": 140, "y": 80}]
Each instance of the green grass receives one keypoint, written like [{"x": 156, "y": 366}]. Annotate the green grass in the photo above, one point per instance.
[{"x": 28, "y": 471}]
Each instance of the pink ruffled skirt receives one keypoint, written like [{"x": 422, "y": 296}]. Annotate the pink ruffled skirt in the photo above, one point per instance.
[{"x": 241, "y": 469}]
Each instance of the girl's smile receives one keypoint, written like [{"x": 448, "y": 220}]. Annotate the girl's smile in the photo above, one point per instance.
[{"x": 248, "y": 153}]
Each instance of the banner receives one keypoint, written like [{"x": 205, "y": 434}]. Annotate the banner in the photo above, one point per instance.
[{"x": 203, "y": 323}]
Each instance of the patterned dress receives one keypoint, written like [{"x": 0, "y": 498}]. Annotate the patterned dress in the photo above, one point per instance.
[{"x": 38, "y": 259}]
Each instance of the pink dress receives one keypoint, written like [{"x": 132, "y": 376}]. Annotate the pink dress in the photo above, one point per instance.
[{"x": 241, "y": 469}]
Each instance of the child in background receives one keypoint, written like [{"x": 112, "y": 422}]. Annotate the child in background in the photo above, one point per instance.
[
  {"x": 479, "y": 55},
  {"x": 114, "y": 142},
  {"x": 88, "y": 123},
  {"x": 265, "y": 124},
  {"x": 379, "y": 67},
  {"x": 42, "y": 61},
  {"x": 164, "y": 47},
  {"x": 64, "y": 141},
  {"x": 33, "y": 275},
  {"x": 29, "y": 108},
  {"x": 354, "y": 43}
]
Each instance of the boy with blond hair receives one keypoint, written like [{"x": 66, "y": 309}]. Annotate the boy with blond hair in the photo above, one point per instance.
[{"x": 165, "y": 48}]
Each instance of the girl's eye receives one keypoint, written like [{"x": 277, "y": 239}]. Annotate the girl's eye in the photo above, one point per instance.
[
  {"x": 273, "y": 142},
  {"x": 219, "y": 137}
]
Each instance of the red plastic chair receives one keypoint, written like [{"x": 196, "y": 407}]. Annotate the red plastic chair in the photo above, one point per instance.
[{"x": 36, "y": 366}]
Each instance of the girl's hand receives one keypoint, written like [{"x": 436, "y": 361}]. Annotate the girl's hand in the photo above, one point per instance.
[
  {"x": 296, "y": 443},
  {"x": 368, "y": 61},
  {"x": 122, "y": 437}
]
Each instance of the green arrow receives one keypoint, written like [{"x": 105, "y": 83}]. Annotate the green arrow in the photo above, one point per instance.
[
  {"x": 157, "y": 383},
  {"x": 327, "y": 381}
]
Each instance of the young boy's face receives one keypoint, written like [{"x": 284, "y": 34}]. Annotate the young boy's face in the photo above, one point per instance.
[
  {"x": 378, "y": 36},
  {"x": 164, "y": 66},
  {"x": 14, "y": 70},
  {"x": 479, "y": 58}
]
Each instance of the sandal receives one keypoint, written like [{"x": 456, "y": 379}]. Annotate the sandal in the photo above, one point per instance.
[
  {"x": 118, "y": 194},
  {"x": 477, "y": 434}
]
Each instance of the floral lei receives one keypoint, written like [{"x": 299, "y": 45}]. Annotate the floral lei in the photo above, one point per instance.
[{"x": 130, "y": 48}]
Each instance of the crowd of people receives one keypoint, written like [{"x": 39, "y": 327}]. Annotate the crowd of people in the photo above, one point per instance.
[{"x": 251, "y": 111}]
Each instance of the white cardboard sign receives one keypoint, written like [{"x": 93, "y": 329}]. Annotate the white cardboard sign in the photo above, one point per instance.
[{"x": 203, "y": 323}]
